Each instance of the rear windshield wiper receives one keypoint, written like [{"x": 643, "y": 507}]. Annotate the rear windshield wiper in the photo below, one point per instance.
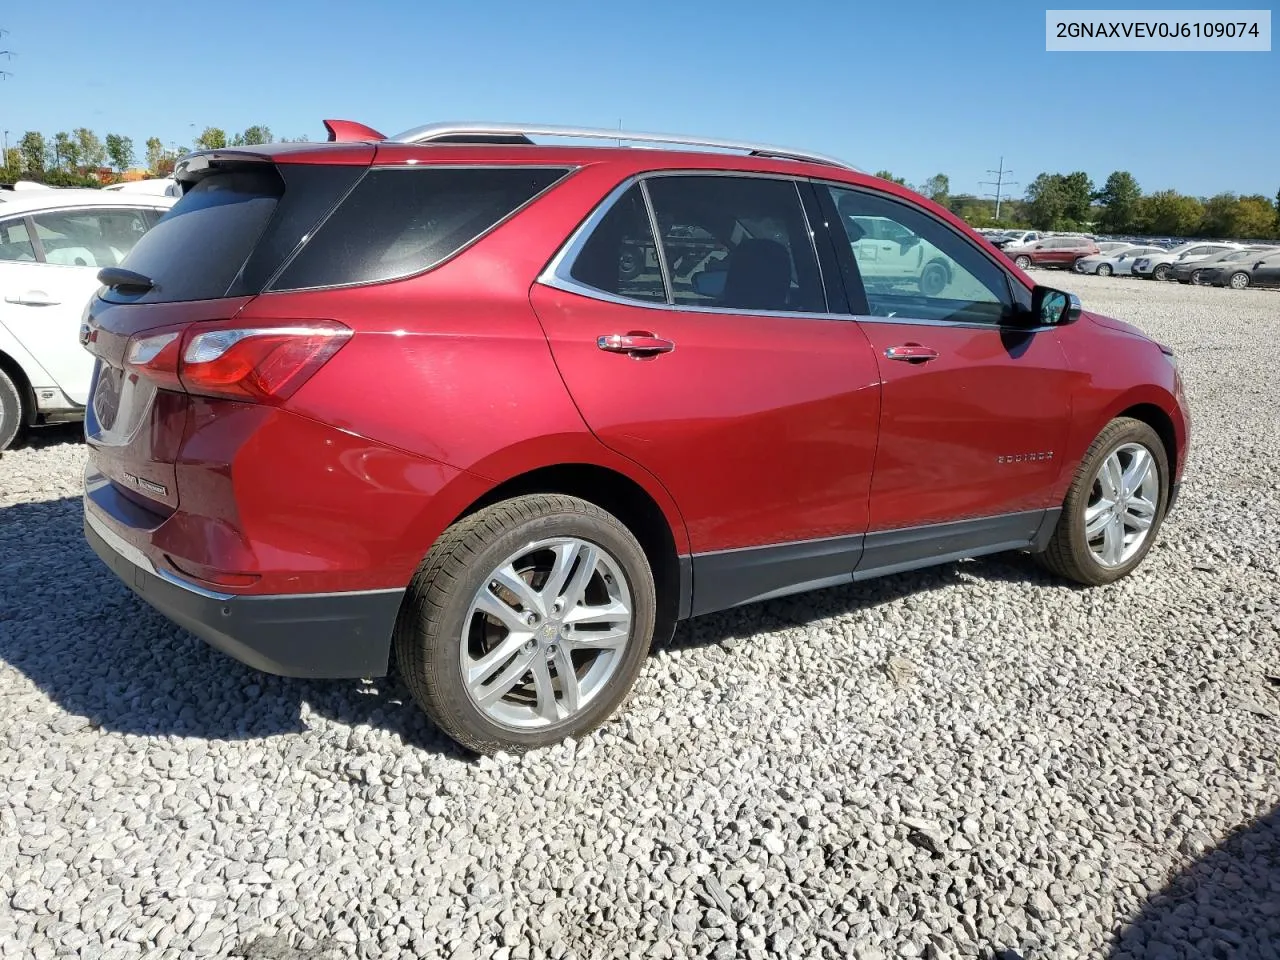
[{"x": 125, "y": 279}]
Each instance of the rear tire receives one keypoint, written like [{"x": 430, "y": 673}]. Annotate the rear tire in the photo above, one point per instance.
[
  {"x": 1069, "y": 553},
  {"x": 1104, "y": 270},
  {"x": 11, "y": 412},
  {"x": 443, "y": 637}
]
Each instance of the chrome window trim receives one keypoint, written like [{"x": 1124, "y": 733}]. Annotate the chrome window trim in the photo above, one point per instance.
[
  {"x": 962, "y": 324},
  {"x": 556, "y": 273},
  {"x": 659, "y": 250},
  {"x": 569, "y": 171}
]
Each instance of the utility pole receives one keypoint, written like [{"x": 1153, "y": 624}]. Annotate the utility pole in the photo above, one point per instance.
[
  {"x": 999, "y": 183},
  {"x": 8, "y": 55}
]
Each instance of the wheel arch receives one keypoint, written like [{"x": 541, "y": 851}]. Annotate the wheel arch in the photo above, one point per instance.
[
  {"x": 634, "y": 505},
  {"x": 1158, "y": 420}
]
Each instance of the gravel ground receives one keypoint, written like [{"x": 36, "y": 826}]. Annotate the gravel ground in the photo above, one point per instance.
[{"x": 969, "y": 761}]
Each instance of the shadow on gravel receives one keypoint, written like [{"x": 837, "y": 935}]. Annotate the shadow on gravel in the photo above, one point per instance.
[
  {"x": 1224, "y": 906},
  {"x": 111, "y": 662},
  {"x": 103, "y": 655},
  {"x": 51, "y": 436}
]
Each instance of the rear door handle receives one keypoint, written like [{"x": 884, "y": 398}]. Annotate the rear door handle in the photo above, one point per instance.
[
  {"x": 635, "y": 344},
  {"x": 912, "y": 353},
  {"x": 33, "y": 298}
]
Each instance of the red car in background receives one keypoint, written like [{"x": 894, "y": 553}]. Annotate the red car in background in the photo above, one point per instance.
[
  {"x": 507, "y": 412},
  {"x": 1052, "y": 252}
]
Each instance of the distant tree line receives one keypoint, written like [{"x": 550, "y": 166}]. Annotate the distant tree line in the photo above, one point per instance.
[
  {"x": 1070, "y": 201},
  {"x": 82, "y": 158}
]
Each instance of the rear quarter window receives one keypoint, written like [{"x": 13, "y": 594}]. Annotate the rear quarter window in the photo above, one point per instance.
[{"x": 399, "y": 221}]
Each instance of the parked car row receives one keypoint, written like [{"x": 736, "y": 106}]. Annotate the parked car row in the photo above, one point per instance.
[{"x": 1213, "y": 264}]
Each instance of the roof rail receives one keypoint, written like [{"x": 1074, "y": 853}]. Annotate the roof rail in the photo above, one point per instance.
[{"x": 479, "y": 132}]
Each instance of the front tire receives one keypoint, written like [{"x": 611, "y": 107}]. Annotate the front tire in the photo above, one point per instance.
[
  {"x": 527, "y": 622},
  {"x": 1239, "y": 281},
  {"x": 1022, "y": 262},
  {"x": 1161, "y": 272},
  {"x": 11, "y": 412},
  {"x": 933, "y": 279},
  {"x": 1114, "y": 507},
  {"x": 1104, "y": 270}
]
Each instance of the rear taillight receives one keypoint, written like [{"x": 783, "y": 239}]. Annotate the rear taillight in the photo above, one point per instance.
[
  {"x": 263, "y": 363},
  {"x": 155, "y": 357}
]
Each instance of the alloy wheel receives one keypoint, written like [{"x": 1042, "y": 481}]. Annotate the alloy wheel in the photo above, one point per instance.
[
  {"x": 1239, "y": 281},
  {"x": 1104, "y": 270},
  {"x": 1122, "y": 504},
  {"x": 546, "y": 632}
]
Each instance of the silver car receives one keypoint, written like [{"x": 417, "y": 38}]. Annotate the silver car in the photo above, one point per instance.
[{"x": 1118, "y": 262}]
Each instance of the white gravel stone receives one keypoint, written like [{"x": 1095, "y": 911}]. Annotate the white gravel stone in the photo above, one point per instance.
[{"x": 974, "y": 760}]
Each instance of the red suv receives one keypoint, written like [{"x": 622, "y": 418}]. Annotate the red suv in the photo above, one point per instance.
[
  {"x": 509, "y": 411},
  {"x": 1053, "y": 252}
]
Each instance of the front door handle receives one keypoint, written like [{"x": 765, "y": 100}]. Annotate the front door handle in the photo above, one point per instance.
[
  {"x": 33, "y": 298},
  {"x": 638, "y": 344},
  {"x": 912, "y": 353}
]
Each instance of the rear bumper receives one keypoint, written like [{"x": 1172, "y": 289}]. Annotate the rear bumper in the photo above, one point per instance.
[{"x": 330, "y": 635}]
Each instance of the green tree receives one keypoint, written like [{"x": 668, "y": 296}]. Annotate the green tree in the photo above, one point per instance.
[
  {"x": 1254, "y": 218},
  {"x": 1046, "y": 201},
  {"x": 92, "y": 153},
  {"x": 66, "y": 151},
  {"x": 937, "y": 188},
  {"x": 1170, "y": 213},
  {"x": 882, "y": 174},
  {"x": 1220, "y": 215},
  {"x": 255, "y": 134},
  {"x": 33, "y": 150},
  {"x": 155, "y": 155},
  {"x": 120, "y": 151},
  {"x": 1119, "y": 197},
  {"x": 1077, "y": 189},
  {"x": 213, "y": 138},
  {"x": 12, "y": 169}
]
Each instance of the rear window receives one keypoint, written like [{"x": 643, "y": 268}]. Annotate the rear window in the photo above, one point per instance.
[
  {"x": 403, "y": 220},
  {"x": 197, "y": 249}
]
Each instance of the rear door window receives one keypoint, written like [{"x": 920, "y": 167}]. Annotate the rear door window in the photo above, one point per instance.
[
  {"x": 399, "y": 221},
  {"x": 737, "y": 243}
]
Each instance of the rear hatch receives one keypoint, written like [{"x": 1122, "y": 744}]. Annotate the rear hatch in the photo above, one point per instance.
[{"x": 241, "y": 216}]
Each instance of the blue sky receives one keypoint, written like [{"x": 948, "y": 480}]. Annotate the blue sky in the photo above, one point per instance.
[{"x": 916, "y": 88}]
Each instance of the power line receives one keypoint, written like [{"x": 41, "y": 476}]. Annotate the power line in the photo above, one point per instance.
[{"x": 999, "y": 183}]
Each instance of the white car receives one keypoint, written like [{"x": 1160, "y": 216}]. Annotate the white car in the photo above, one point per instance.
[
  {"x": 1116, "y": 261},
  {"x": 1159, "y": 266},
  {"x": 891, "y": 254},
  {"x": 52, "y": 245},
  {"x": 155, "y": 187}
]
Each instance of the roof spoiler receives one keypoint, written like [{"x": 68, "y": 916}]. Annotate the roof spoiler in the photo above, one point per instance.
[{"x": 347, "y": 131}]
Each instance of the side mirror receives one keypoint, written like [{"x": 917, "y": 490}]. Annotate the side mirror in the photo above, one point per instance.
[
  {"x": 906, "y": 243},
  {"x": 1053, "y": 308}
]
